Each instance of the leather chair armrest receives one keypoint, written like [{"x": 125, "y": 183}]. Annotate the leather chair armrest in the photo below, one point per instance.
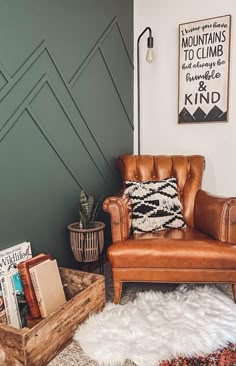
[
  {"x": 120, "y": 209},
  {"x": 216, "y": 216}
]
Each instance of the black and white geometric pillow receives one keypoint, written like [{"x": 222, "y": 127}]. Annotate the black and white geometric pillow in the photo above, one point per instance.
[{"x": 155, "y": 205}]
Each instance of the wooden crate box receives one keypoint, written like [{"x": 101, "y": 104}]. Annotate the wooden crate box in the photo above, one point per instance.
[{"x": 85, "y": 293}]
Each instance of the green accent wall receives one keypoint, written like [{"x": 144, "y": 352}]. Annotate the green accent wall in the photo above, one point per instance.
[{"x": 66, "y": 99}]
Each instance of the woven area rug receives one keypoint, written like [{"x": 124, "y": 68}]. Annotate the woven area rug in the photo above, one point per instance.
[{"x": 74, "y": 355}]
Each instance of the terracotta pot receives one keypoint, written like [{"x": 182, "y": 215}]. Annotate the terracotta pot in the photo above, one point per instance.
[{"x": 87, "y": 244}]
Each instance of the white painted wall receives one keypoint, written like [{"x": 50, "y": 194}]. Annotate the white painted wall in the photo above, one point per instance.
[{"x": 160, "y": 132}]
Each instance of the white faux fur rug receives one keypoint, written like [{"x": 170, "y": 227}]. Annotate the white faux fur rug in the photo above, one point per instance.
[{"x": 159, "y": 326}]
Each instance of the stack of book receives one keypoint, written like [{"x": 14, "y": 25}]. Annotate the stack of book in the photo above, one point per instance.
[{"x": 30, "y": 287}]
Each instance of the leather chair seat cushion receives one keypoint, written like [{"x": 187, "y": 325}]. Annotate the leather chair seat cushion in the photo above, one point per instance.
[{"x": 178, "y": 248}]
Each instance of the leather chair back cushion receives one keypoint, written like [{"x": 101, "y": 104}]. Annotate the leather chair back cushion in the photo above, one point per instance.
[{"x": 187, "y": 170}]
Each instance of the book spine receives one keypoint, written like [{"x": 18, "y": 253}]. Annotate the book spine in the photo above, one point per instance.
[
  {"x": 37, "y": 292},
  {"x": 15, "y": 303},
  {"x": 20, "y": 299},
  {"x": 29, "y": 292},
  {"x": 11, "y": 305}
]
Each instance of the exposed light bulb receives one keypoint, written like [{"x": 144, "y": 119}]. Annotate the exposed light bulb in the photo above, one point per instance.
[{"x": 150, "y": 55}]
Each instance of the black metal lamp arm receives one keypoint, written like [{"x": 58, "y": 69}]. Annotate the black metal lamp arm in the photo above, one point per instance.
[{"x": 149, "y": 45}]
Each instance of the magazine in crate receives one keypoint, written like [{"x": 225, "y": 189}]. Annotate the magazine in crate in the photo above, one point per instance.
[{"x": 9, "y": 258}]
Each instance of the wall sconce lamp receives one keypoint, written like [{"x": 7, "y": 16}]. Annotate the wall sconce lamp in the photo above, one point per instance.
[{"x": 149, "y": 59}]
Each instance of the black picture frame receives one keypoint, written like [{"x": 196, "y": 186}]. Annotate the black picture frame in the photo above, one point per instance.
[{"x": 204, "y": 67}]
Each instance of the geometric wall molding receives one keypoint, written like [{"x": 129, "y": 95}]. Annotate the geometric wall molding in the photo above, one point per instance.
[
  {"x": 23, "y": 88},
  {"x": 64, "y": 118},
  {"x": 99, "y": 47}
]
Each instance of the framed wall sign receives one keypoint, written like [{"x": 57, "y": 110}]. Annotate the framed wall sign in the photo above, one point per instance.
[{"x": 204, "y": 56}]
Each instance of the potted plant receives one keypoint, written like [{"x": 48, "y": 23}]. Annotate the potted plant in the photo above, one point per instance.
[{"x": 87, "y": 235}]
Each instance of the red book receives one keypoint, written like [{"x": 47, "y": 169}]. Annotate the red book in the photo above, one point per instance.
[{"x": 23, "y": 269}]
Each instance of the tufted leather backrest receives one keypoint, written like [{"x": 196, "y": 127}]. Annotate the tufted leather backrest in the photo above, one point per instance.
[{"x": 187, "y": 170}]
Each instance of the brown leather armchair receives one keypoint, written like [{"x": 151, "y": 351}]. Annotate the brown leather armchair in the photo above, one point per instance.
[{"x": 204, "y": 252}]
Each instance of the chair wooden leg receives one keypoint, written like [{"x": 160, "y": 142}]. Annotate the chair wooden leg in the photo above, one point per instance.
[
  {"x": 117, "y": 291},
  {"x": 234, "y": 291}
]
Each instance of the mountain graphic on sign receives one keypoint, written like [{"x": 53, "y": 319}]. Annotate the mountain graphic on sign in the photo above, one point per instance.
[
  {"x": 199, "y": 114},
  {"x": 214, "y": 115},
  {"x": 185, "y": 116}
]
